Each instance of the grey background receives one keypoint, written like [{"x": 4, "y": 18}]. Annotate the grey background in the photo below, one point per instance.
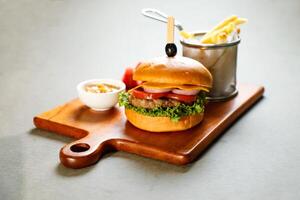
[{"x": 47, "y": 47}]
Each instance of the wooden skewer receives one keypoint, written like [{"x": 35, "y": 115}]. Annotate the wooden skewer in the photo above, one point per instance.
[
  {"x": 170, "y": 48},
  {"x": 170, "y": 30}
]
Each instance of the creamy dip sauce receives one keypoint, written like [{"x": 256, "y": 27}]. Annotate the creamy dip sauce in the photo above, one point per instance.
[{"x": 100, "y": 88}]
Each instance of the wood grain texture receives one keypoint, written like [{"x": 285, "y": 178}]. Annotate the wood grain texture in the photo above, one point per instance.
[{"x": 99, "y": 132}]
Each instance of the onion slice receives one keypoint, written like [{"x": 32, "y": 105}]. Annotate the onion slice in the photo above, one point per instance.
[
  {"x": 185, "y": 92},
  {"x": 163, "y": 90}
]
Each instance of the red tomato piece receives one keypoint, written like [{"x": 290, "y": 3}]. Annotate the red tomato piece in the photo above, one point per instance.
[
  {"x": 181, "y": 97},
  {"x": 128, "y": 80},
  {"x": 145, "y": 95}
]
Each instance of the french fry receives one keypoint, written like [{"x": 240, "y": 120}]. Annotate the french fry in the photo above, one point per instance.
[
  {"x": 220, "y": 33},
  {"x": 186, "y": 35},
  {"x": 240, "y": 21},
  {"x": 225, "y": 22},
  {"x": 219, "y": 26},
  {"x": 222, "y": 37}
]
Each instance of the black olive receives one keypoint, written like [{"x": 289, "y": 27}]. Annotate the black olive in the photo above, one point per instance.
[{"x": 171, "y": 49}]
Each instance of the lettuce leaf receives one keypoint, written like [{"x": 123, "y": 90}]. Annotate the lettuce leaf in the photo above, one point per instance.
[{"x": 174, "y": 113}]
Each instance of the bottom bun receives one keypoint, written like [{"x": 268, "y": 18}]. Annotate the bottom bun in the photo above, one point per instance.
[{"x": 162, "y": 124}]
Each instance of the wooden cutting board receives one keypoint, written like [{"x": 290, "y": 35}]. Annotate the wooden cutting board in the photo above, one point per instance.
[{"x": 96, "y": 133}]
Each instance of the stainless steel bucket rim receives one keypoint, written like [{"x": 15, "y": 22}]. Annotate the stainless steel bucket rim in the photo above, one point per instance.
[{"x": 208, "y": 46}]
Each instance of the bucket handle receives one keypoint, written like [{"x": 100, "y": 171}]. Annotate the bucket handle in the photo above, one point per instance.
[{"x": 159, "y": 16}]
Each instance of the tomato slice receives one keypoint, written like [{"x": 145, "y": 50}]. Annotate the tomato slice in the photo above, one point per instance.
[
  {"x": 145, "y": 95},
  {"x": 181, "y": 97},
  {"x": 127, "y": 78}
]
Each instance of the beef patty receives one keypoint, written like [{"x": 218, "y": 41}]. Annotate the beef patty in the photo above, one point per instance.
[{"x": 153, "y": 103}]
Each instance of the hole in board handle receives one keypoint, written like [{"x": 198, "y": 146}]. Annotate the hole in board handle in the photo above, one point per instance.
[{"x": 80, "y": 147}]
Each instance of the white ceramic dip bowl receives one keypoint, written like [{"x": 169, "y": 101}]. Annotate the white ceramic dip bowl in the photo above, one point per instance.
[{"x": 100, "y": 101}]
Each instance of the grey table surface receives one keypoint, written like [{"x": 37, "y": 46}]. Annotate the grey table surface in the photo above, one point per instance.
[{"x": 47, "y": 47}]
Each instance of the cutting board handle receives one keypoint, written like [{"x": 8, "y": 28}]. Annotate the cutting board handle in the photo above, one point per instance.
[{"x": 84, "y": 152}]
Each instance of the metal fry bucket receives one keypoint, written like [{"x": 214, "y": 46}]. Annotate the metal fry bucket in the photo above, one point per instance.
[{"x": 220, "y": 60}]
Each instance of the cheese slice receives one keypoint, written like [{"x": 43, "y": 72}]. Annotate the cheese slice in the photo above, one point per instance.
[{"x": 172, "y": 86}]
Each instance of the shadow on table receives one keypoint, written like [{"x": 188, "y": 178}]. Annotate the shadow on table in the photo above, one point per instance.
[
  {"x": 67, "y": 172},
  {"x": 51, "y": 136},
  {"x": 151, "y": 165},
  {"x": 60, "y": 169}
]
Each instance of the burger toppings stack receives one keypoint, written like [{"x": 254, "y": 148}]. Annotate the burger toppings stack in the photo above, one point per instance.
[{"x": 170, "y": 96}]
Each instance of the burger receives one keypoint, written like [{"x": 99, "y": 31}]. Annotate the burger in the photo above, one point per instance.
[{"x": 170, "y": 96}]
